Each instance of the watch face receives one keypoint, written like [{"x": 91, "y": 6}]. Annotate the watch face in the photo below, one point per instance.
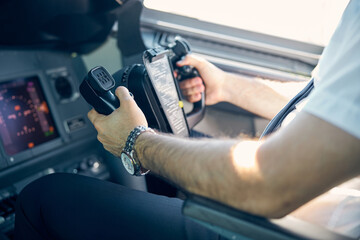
[{"x": 127, "y": 163}]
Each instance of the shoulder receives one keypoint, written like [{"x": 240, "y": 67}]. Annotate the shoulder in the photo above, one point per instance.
[{"x": 336, "y": 98}]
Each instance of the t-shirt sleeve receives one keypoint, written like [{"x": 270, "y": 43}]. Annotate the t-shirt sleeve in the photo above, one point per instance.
[{"x": 336, "y": 97}]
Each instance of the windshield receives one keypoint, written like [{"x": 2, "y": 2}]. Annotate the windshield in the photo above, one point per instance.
[{"x": 311, "y": 21}]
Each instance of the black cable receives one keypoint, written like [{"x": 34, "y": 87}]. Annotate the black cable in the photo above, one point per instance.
[{"x": 279, "y": 118}]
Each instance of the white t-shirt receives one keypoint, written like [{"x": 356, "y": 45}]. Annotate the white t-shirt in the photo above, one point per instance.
[{"x": 336, "y": 97}]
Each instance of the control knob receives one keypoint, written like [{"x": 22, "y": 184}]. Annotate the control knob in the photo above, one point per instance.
[{"x": 63, "y": 87}]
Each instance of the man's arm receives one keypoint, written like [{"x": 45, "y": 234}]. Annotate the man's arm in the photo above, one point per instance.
[
  {"x": 269, "y": 178},
  {"x": 253, "y": 95},
  {"x": 248, "y": 93}
]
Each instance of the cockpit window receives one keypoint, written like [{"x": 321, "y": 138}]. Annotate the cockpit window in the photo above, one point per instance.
[{"x": 303, "y": 20}]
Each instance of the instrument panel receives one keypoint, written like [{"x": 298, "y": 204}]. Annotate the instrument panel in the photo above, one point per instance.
[
  {"x": 41, "y": 111},
  {"x": 25, "y": 118},
  {"x": 43, "y": 124}
]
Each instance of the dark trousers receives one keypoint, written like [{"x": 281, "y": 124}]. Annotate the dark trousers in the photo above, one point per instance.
[{"x": 69, "y": 206}]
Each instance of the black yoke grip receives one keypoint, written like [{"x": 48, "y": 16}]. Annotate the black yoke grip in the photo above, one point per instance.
[{"x": 96, "y": 90}]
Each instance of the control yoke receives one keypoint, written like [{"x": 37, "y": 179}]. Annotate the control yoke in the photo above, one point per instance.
[{"x": 154, "y": 86}]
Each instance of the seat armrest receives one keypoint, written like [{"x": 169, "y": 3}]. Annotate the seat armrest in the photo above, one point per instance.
[{"x": 234, "y": 224}]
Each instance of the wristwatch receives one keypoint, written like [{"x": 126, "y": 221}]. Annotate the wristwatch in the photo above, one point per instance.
[{"x": 128, "y": 155}]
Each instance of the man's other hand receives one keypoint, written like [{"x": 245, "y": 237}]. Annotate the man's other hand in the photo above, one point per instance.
[
  {"x": 114, "y": 129},
  {"x": 211, "y": 76}
]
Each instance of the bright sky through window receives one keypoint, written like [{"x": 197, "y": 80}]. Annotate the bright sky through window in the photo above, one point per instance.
[{"x": 310, "y": 21}]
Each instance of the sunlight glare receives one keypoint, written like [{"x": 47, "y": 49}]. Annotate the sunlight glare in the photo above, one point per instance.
[{"x": 244, "y": 155}]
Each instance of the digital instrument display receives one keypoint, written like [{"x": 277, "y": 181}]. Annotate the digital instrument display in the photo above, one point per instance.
[
  {"x": 25, "y": 119},
  {"x": 163, "y": 81}
]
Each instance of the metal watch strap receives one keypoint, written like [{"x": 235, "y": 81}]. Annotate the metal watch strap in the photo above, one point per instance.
[
  {"x": 129, "y": 148},
  {"x": 130, "y": 142}
]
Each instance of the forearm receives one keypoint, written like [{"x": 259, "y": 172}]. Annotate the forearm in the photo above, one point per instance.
[
  {"x": 253, "y": 95},
  {"x": 184, "y": 161},
  {"x": 270, "y": 178},
  {"x": 208, "y": 168}
]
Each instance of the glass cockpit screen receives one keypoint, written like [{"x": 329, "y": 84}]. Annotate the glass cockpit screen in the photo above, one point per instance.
[{"x": 25, "y": 119}]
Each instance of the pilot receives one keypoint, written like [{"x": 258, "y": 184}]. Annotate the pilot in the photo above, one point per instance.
[{"x": 318, "y": 150}]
